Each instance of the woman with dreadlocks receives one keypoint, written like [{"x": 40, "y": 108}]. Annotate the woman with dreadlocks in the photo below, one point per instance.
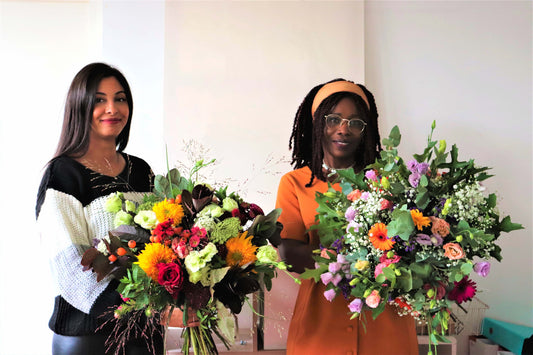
[{"x": 335, "y": 128}]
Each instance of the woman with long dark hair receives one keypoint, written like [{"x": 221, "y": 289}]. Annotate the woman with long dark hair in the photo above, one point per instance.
[
  {"x": 336, "y": 127},
  {"x": 89, "y": 165}
]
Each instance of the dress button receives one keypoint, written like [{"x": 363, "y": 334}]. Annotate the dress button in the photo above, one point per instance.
[{"x": 349, "y": 329}]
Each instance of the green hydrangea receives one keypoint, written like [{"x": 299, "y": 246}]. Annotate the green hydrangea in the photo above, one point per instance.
[
  {"x": 122, "y": 218},
  {"x": 228, "y": 228},
  {"x": 205, "y": 222},
  {"x": 267, "y": 254},
  {"x": 146, "y": 219},
  {"x": 114, "y": 203},
  {"x": 229, "y": 204}
]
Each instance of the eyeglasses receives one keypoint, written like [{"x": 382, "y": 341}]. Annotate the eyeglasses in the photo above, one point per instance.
[{"x": 355, "y": 125}]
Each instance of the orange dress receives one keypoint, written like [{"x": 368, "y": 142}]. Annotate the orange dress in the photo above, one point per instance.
[{"x": 321, "y": 327}]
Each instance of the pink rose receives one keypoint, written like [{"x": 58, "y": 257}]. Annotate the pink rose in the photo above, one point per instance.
[
  {"x": 439, "y": 226},
  {"x": 354, "y": 195},
  {"x": 373, "y": 299},
  {"x": 453, "y": 251},
  {"x": 170, "y": 276}
]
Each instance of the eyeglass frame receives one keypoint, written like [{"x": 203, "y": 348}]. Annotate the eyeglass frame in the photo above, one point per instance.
[{"x": 345, "y": 120}]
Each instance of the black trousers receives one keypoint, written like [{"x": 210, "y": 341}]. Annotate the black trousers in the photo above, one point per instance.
[{"x": 95, "y": 345}]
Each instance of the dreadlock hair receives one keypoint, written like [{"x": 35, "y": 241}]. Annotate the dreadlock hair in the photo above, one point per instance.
[{"x": 308, "y": 131}]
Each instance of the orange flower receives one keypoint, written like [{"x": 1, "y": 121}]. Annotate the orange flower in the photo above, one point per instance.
[
  {"x": 241, "y": 251},
  {"x": 354, "y": 195},
  {"x": 153, "y": 254},
  {"x": 166, "y": 210},
  {"x": 378, "y": 237},
  {"x": 453, "y": 251},
  {"x": 419, "y": 220}
]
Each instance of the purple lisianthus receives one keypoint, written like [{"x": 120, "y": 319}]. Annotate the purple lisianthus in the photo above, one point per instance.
[
  {"x": 341, "y": 258},
  {"x": 411, "y": 165},
  {"x": 330, "y": 294},
  {"x": 482, "y": 268},
  {"x": 350, "y": 214},
  {"x": 371, "y": 175},
  {"x": 326, "y": 277},
  {"x": 422, "y": 168},
  {"x": 353, "y": 225},
  {"x": 336, "y": 279},
  {"x": 414, "y": 179},
  {"x": 425, "y": 239},
  {"x": 334, "y": 267},
  {"x": 365, "y": 195},
  {"x": 356, "y": 306}
]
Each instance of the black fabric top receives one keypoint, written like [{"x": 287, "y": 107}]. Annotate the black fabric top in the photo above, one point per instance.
[{"x": 68, "y": 176}]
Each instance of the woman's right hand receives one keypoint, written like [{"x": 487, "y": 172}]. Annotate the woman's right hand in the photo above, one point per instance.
[
  {"x": 176, "y": 319},
  {"x": 297, "y": 254}
]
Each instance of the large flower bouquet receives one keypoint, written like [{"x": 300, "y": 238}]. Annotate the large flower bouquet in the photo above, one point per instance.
[
  {"x": 189, "y": 246},
  {"x": 408, "y": 234}
]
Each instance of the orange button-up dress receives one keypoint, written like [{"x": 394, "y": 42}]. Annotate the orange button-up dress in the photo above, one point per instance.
[{"x": 321, "y": 327}]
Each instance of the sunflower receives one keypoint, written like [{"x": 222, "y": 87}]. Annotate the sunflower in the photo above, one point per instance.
[
  {"x": 419, "y": 220},
  {"x": 241, "y": 251},
  {"x": 153, "y": 254},
  {"x": 166, "y": 210},
  {"x": 378, "y": 237}
]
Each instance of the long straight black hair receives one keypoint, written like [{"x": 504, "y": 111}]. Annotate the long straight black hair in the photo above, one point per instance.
[{"x": 79, "y": 106}]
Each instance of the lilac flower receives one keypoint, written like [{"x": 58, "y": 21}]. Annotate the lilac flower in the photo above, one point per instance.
[
  {"x": 425, "y": 239},
  {"x": 371, "y": 175},
  {"x": 411, "y": 165},
  {"x": 482, "y": 268},
  {"x": 334, "y": 267},
  {"x": 350, "y": 214},
  {"x": 341, "y": 258},
  {"x": 356, "y": 306},
  {"x": 353, "y": 225},
  {"x": 330, "y": 295},
  {"x": 414, "y": 179},
  {"x": 336, "y": 279},
  {"x": 422, "y": 168},
  {"x": 326, "y": 278}
]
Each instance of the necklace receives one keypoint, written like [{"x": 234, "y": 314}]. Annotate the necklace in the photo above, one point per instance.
[{"x": 331, "y": 171}]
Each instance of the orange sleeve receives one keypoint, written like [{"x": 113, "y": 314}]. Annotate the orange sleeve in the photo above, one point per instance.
[{"x": 291, "y": 215}]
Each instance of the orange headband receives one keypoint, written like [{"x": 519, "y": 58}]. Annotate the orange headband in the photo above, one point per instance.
[{"x": 336, "y": 86}]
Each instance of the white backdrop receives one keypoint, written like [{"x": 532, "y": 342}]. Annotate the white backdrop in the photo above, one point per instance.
[{"x": 228, "y": 73}]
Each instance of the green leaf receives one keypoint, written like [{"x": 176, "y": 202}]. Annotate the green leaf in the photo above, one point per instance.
[
  {"x": 401, "y": 224},
  {"x": 405, "y": 280},
  {"x": 314, "y": 273},
  {"x": 466, "y": 268},
  {"x": 507, "y": 226}
]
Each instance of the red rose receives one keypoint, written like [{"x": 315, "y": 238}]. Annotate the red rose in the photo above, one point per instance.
[{"x": 170, "y": 276}]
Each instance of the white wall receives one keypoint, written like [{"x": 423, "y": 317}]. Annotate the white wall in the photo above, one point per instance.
[{"x": 468, "y": 65}]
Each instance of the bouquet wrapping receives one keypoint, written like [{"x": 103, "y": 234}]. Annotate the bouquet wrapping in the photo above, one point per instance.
[
  {"x": 408, "y": 233},
  {"x": 186, "y": 246}
]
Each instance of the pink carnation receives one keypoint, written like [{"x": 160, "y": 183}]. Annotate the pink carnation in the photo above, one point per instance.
[{"x": 439, "y": 226}]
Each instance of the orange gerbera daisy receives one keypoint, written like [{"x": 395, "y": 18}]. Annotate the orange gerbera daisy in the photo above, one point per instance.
[
  {"x": 153, "y": 254},
  {"x": 419, "y": 220},
  {"x": 166, "y": 210},
  {"x": 241, "y": 251},
  {"x": 378, "y": 237}
]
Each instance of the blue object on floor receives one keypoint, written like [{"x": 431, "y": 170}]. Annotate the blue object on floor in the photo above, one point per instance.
[{"x": 515, "y": 338}]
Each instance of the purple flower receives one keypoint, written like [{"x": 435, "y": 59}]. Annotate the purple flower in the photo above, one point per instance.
[
  {"x": 336, "y": 279},
  {"x": 422, "y": 168},
  {"x": 353, "y": 225},
  {"x": 350, "y": 214},
  {"x": 371, "y": 175},
  {"x": 482, "y": 268},
  {"x": 341, "y": 258},
  {"x": 330, "y": 295},
  {"x": 414, "y": 179},
  {"x": 365, "y": 195},
  {"x": 334, "y": 267},
  {"x": 337, "y": 244},
  {"x": 411, "y": 165},
  {"x": 356, "y": 305},
  {"x": 326, "y": 278},
  {"x": 425, "y": 239}
]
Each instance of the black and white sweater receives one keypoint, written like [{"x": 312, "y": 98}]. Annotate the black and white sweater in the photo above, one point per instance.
[{"x": 70, "y": 213}]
